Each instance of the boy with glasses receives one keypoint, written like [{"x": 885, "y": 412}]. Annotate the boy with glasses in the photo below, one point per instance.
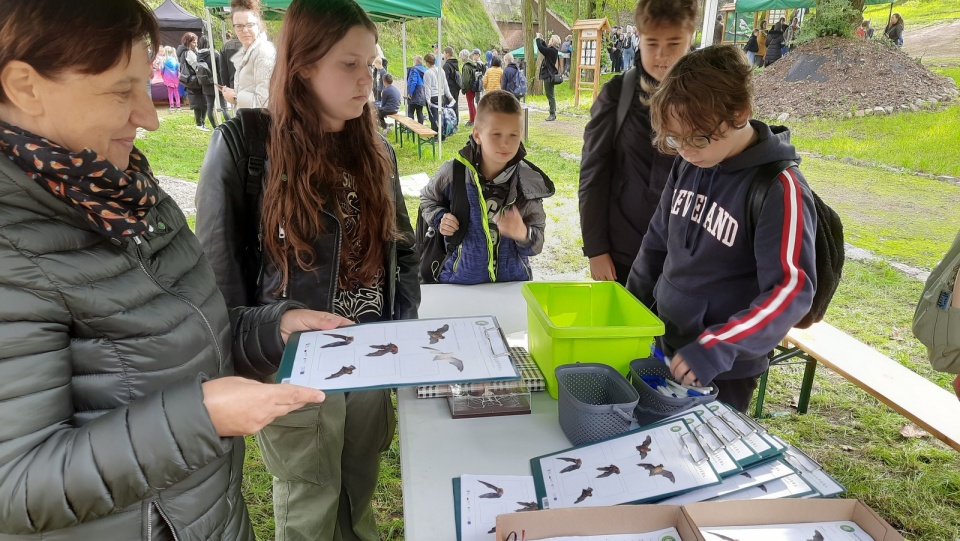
[{"x": 726, "y": 289}]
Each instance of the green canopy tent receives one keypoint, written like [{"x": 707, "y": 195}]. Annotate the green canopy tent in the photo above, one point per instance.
[
  {"x": 745, "y": 6},
  {"x": 379, "y": 11}
]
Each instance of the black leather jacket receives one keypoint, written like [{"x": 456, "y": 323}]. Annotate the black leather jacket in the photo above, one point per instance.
[{"x": 226, "y": 237}]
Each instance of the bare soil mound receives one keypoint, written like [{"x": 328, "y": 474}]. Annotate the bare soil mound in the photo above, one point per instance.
[{"x": 847, "y": 77}]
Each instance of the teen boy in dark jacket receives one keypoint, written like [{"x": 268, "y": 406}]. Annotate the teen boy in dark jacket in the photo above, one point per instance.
[{"x": 726, "y": 295}]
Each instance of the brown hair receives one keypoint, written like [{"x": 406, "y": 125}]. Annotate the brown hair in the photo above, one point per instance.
[
  {"x": 650, "y": 14},
  {"x": 187, "y": 39},
  {"x": 498, "y": 101},
  {"x": 701, "y": 91},
  {"x": 43, "y": 34},
  {"x": 239, "y": 6},
  {"x": 430, "y": 59},
  {"x": 305, "y": 160}
]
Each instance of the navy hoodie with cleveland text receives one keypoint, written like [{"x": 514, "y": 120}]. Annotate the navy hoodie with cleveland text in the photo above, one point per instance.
[{"x": 726, "y": 302}]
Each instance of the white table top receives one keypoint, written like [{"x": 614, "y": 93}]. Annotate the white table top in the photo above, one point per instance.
[{"x": 435, "y": 448}]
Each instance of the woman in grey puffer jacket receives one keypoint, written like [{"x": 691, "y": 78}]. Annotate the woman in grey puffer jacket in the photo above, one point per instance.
[{"x": 119, "y": 411}]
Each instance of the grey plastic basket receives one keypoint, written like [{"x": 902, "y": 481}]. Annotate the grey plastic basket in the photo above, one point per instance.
[
  {"x": 595, "y": 402},
  {"x": 653, "y": 406}
]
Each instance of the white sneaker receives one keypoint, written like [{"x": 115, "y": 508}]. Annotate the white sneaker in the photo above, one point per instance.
[{"x": 203, "y": 128}]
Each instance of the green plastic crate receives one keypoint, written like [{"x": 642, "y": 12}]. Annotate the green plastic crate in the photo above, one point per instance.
[{"x": 591, "y": 322}]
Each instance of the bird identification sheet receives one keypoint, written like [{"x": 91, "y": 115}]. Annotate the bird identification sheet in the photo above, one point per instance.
[
  {"x": 666, "y": 534},
  {"x": 480, "y": 498},
  {"x": 843, "y": 530},
  {"x": 398, "y": 354},
  {"x": 645, "y": 465}
]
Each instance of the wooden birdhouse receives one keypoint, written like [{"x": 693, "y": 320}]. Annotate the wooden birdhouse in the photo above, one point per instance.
[{"x": 588, "y": 45}]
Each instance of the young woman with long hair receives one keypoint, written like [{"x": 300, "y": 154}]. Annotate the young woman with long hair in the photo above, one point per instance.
[{"x": 330, "y": 232}]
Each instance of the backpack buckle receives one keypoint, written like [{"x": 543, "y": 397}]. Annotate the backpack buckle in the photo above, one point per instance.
[{"x": 255, "y": 168}]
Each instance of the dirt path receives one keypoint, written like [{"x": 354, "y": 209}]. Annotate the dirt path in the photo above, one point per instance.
[{"x": 929, "y": 42}]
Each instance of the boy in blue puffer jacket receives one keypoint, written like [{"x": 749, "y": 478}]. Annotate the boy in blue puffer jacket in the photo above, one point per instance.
[{"x": 504, "y": 192}]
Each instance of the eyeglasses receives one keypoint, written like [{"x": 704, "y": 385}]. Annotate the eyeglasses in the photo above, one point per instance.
[
  {"x": 696, "y": 141},
  {"x": 248, "y": 27}
]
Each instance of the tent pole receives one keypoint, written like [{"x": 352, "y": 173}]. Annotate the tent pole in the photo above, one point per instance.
[
  {"x": 403, "y": 65},
  {"x": 439, "y": 92},
  {"x": 213, "y": 61},
  {"x": 709, "y": 20}
]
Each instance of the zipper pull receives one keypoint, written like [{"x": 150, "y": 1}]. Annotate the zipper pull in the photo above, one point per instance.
[
  {"x": 137, "y": 240},
  {"x": 282, "y": 234}
]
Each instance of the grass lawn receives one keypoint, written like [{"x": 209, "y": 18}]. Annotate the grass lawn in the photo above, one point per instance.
[
  {"x": 914, "y": 12},
  {"x": 926, "y": 141},
  {"x": 914, "y": 483}
]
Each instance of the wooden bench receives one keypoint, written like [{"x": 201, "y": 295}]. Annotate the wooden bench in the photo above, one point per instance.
[
  {"x": 425, "y": 136},
  {"x": 931, "y": 407}
]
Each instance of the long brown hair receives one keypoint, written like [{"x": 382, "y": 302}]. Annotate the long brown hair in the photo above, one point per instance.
[{"x": 305, "y": 161}]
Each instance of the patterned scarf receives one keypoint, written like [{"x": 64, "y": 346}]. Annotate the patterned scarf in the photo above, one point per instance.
[{"x": 115, "y": 202}]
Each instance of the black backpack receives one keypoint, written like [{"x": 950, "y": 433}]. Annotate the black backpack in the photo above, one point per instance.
[
  {"x": 188, "y": 77},
  {"x": 204, "y": 75},
  {"x": 829, "y": 239},
  {"x": 255, "y": 125},
  {"x": 434, "y": 248}
]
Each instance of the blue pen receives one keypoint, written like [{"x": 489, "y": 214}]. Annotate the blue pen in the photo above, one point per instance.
[{"x": 656, "y": 352}]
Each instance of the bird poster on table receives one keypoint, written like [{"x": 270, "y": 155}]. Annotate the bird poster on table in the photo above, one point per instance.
[
  {"x": 755, "y": 476},
  {"x": 666, "y": 534},
  {"x": 842, "y": 530},
  {"x": 791, "y": 486},
  {"x": 649, "y": 464},
  {"x": 478, "y": 499},
  {"x": 398, "y": 354}
]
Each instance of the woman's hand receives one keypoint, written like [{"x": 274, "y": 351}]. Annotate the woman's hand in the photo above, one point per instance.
[
  {"x": 240, "y": 406},
  {"x": 309, "y": 320},
  {"x": 601, "y": 268},
  {"x": 230, "y": 94},
  {"x": 510, "y": 224}
]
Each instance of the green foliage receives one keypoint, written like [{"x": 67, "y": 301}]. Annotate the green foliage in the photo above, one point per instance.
[
  {"x": 465, "y": 26},
  {"x": 832, "y": 18}
]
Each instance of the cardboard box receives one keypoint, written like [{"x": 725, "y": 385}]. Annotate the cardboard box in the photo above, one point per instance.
[
  {"x": 595, "y": 521},
  {"x": 788, "y": 511}
]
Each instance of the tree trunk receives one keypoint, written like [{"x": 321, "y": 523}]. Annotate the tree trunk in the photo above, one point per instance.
[
  {"x": 537, "y": 85},
  {"x": 526, "y": 9},
  {"x": 591, "y": 9}
]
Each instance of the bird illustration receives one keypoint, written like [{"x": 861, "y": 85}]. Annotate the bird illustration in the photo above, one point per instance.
[
  {"x": 575, "y": 466},
  {"x": 817, "y": 536},
  {"x": 446, "y": 356},
  {"x": 587, "y": 492},
  {"x": 437, "y": 335},
  {"x": 343, "y": 371},
  {"x": 342, "y": 340},
  {"x": 608, "y": 470},
  {"x": 494, "y": 529},
  {"x": 658, "y": 470},
  {"x": 762, "y": 487},
  {"x": 383, "y": 350},
  {"x": 527, "y": 506},
  {"x": 723, "y": 536},
  {"x": 644, "y": 447},
  {"x": 746, "y": 474},
  {"x": 497, "y": 491}
]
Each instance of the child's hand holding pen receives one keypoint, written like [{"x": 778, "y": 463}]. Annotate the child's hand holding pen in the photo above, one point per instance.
[{"x": 510, "y": 224}]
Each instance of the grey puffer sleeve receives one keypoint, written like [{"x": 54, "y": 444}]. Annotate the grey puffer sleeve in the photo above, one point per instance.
[{"x": 54, "y": 474}]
